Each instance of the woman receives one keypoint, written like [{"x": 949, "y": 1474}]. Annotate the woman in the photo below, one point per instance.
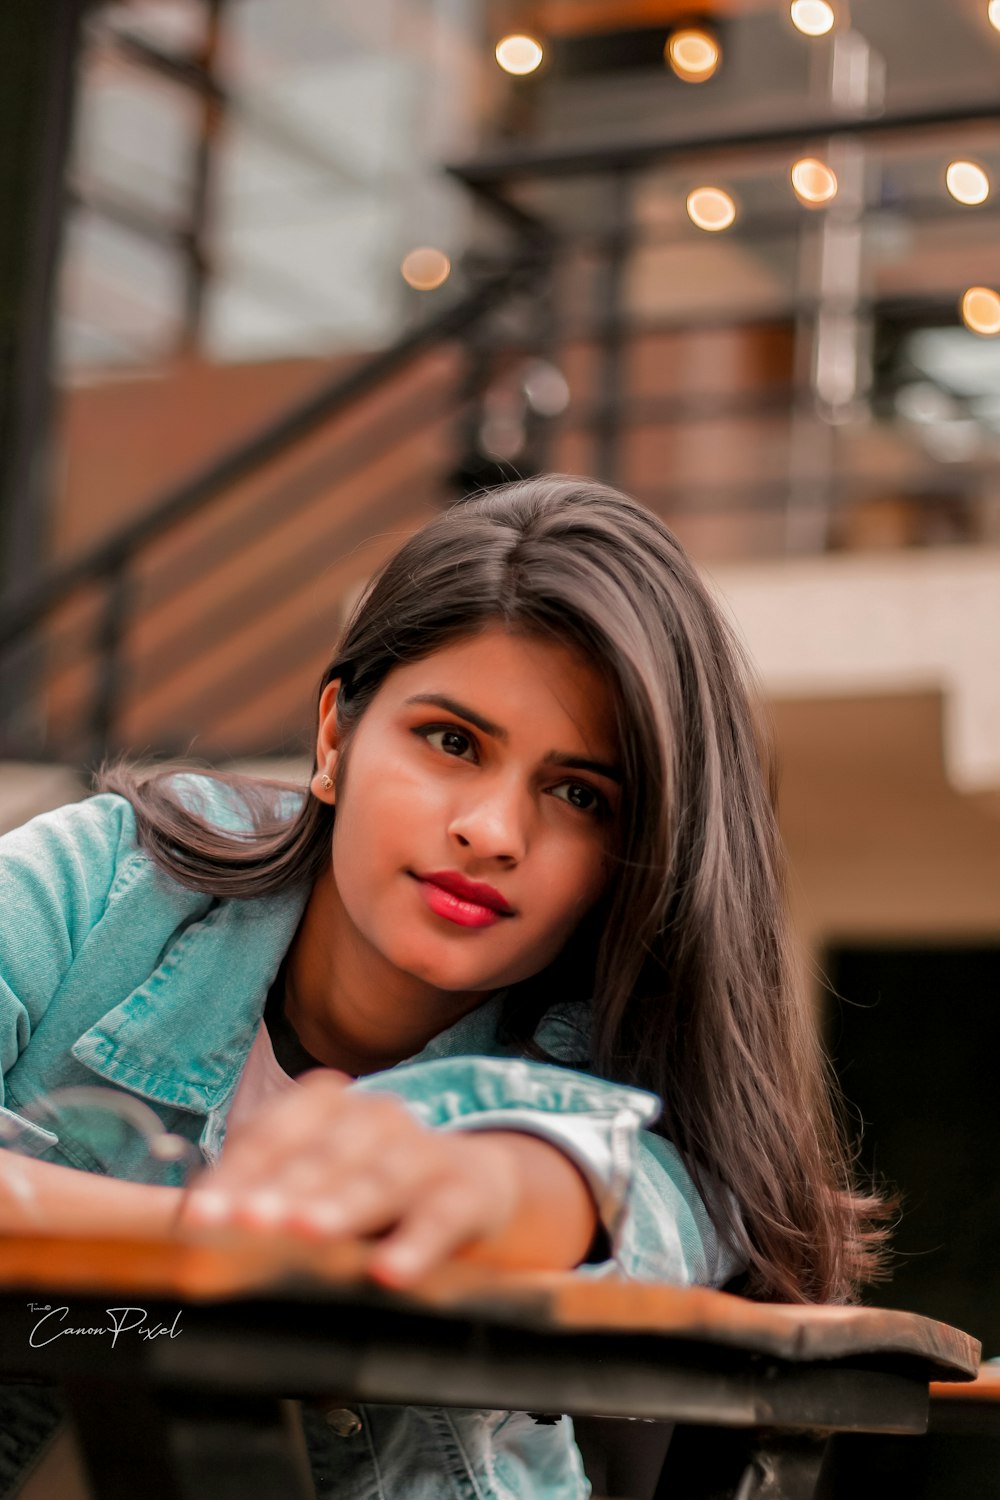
[{"x": 536, "y": 881}]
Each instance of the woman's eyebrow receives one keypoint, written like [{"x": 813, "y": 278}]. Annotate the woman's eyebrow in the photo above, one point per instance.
[
  {"x": 451, "y": 706},
  {"x": 579, "y": 763},
  {"x": 569, "y": 761}
]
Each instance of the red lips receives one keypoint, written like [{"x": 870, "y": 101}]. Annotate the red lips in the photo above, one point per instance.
[{"x": 470, "y": 890}]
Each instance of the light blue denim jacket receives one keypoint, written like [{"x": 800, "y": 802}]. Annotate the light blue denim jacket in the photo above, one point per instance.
[{"x": 112, "y": 973}]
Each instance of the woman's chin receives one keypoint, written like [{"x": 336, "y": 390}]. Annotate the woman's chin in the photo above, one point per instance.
[{"x": 449, "y": 973}]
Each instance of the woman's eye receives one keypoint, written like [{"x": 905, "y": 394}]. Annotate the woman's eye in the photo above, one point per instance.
[
  {"x": 452, "y": 741},
  {"x": 580, "y": 796}
]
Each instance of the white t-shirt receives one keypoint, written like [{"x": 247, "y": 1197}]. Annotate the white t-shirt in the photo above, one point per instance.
[{"x": 261, "y": 1079}]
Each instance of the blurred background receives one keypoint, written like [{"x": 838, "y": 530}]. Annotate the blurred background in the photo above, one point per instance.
[{"x": 281, "y": 278}]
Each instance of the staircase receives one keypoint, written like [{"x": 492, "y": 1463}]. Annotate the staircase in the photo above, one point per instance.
[
  {"x": 235, "y": 609},
  {"x": 201, "y": 625}
]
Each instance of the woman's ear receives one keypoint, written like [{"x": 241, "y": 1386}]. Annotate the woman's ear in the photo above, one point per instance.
[{"x": 327, "y": 746}]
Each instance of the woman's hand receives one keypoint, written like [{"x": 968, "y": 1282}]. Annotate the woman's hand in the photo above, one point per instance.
[{"x": 326, "y": 1162}]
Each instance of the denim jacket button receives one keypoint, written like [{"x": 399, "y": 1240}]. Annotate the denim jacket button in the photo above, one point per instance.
[{"x": 345, "y": 1422}]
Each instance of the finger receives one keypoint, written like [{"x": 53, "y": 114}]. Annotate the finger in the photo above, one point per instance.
[
  {"x": 254, "y": 1153},
  {"x": 310, "y": 1164},
  {"x": 367, "y": 1200},
  {"x": 358, "y": 1192},
  {"x": 322, "y": 1123},
  {"x": 282, "y": 1127},
  {"x": 441, "y": 1223}
]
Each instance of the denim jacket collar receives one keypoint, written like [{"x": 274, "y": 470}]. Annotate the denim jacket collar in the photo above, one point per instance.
[{"x": 168, "y": 1040}]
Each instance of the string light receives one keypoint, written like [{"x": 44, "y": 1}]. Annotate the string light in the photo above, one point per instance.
[
  {"x": 693, "y": 53},
  {"x": 710, "y": 208},
  {"x": 425, "y": 268},
  {"x": 812, "y": 17},
  {"x": 519, "y": 54},
  {"x": 967, "y": 182},
  {"x": 981, "y": 310},
  {"x": 814, "y": 182}
]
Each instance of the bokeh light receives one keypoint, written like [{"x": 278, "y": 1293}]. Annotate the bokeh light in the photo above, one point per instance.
[
  {"x": 519, "y": 54},
  {"x": 981, "y": 310},
  {"x": 993, "y": 12},
  {"x": 425, "y": 268},
  {"x": 545, "y": 388},
  {"x": 814, "y": 182},
  {"x": 710, "y": 208},
  {"x": 693, "y": 53},
  {"x": 812, "y": 17},
  {"x": 967, "y": 182}
]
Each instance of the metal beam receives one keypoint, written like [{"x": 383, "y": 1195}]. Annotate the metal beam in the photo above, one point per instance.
[
  {"x": 489, "y": 172},
  {"x": 39, "y": 45},
  {"x": 20, "y": 612}
]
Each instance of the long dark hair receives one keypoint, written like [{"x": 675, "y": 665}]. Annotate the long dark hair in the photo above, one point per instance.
[{"x": 690, "y": 971}]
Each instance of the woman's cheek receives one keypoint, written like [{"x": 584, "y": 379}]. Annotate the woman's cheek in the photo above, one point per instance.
[{"x": 406, "y": 788}]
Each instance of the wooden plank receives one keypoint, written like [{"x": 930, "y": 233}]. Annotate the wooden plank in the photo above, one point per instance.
[
  {"x": 394, "y": 1351},
  {"x": 796, "y": 1332},
  {"x": 985, "y": 1387},
  {"x": 230, "y": 1265}
]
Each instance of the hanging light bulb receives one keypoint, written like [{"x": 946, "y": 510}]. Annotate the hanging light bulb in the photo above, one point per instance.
[
  {"x": 812, "y": 17},
  {"x": 693, "y": 53},
  {"x": 519, "y": 54},
  {"x": 967, "y": 182},
  {"x": 425, "y": 268},
  {"x": 981, "y": 310},
  {"x": 710, "y": 208},
  {"x": 814, "y": 182}
]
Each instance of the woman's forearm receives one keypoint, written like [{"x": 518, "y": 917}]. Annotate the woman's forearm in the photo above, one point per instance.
[
  {"x": 551, "y": 1228},
  {"x": 37, "y": 1197}
]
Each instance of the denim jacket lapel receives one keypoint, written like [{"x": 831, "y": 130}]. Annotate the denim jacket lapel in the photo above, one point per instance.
[{"x": 181, "y": 1038}]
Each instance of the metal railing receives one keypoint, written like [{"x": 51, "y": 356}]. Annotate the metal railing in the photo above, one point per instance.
[
  {"x": 123, "y": 590},
  {"x": 111, "y": 569}
]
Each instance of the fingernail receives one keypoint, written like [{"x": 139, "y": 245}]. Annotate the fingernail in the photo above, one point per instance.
[
  {"x": 265, "y": 1208},
  {"x": 325, "y": 1218},
  {"x": 399, "y": 1266},
  {"x": 209, "y": 1207}
]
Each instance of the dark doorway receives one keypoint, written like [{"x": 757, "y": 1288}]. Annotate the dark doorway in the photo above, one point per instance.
[{"x": 915, "y": 1037}]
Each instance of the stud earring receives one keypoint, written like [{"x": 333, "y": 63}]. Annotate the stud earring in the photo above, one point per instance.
[{"x": 326, "y": 782}]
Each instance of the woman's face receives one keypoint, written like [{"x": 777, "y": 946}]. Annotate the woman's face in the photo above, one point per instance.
[{"x": 478, "y": 811}]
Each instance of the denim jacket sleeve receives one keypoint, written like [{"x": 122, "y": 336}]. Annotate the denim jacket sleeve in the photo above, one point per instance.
[
  {"x": 55, "y": 876},
  {"x": 657, "y": 1225},
  {"x": 69, "y": 878}
]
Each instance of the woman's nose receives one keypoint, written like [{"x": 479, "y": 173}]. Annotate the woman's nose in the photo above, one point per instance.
[{"x": 493, "y": 824}]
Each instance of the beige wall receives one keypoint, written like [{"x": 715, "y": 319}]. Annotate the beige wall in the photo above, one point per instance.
[
  {"x": 883, "y": 674},
  {"x": 880, "y": 845}
]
